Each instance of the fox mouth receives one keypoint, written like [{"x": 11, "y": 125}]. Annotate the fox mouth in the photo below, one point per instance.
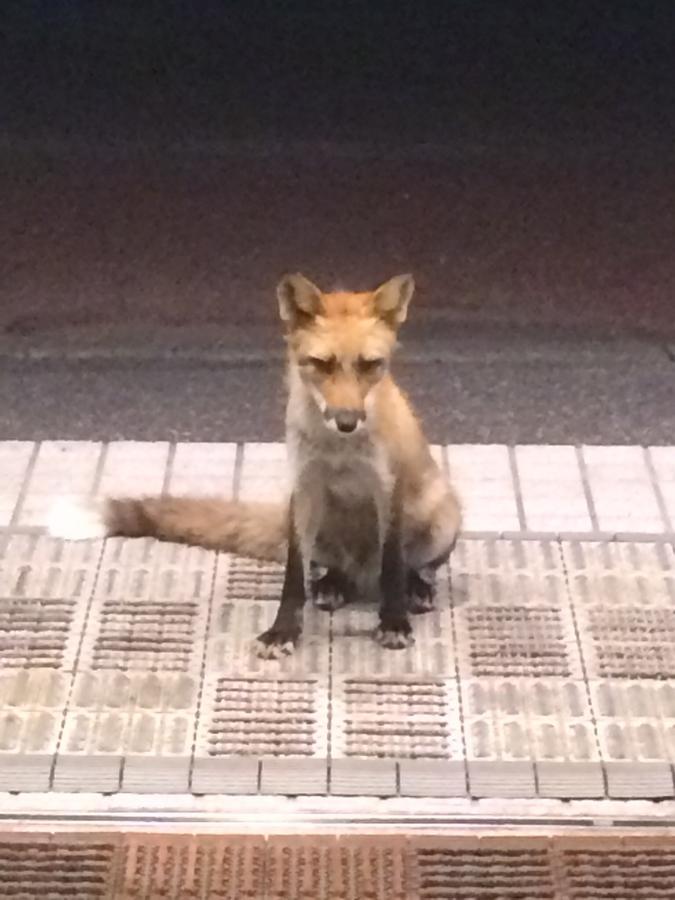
[{"x": 344, "y": 421}]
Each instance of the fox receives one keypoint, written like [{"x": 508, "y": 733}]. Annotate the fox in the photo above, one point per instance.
[{"x": 370, "y": 516}]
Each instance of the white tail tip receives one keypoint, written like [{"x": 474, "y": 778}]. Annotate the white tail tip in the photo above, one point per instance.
[{"x": 74, "y": 520}]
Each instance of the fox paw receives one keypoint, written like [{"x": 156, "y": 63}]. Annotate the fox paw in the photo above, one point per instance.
[
  {"x": 395, "y": 637},
  {"x": 328, "y": 598},
  {"x": 421, "y": 594},
  {"x": 418, "y": 605},
  {"x": 328, "y": 590},
  {"x": 276, "y": 643}
]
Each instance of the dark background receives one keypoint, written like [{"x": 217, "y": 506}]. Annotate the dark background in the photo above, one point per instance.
[
  {"x": 161, "y": 164},
  {"x": 496, "y": 73},
  {"x": 164, "y": 162}
]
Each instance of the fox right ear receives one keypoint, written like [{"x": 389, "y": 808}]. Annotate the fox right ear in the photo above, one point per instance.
[
  {"x": 298, "y": 299},
  {"x": 392, "y": 298}
]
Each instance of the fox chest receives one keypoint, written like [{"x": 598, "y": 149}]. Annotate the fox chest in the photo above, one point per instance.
[{"x": 341, "y": 511}]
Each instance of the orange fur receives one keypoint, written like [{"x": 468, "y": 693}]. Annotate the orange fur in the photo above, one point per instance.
[
  {"x": 339, "y": 348},
  {"x": 257, "y": 530}
]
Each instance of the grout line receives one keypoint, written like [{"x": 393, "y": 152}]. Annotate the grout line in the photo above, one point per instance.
[
  {"x": 535, "y": 769},
  {"x": 515, "y": 478},
  {"x": 266, "y": 854},
  {"x": 329, "y": 723},
  {"x": 584, "y": 669},
  {"x": 660, "y": 502},
  {"x": 168, "y": 469},
  {"x": 23, "y": 491},
  {"x": 76, "y": 661},
  {"x": 237, "y": 473},
  {"x": 27, "y": 530},
  {"x": 588, "y": 537},
  {"x": 455, "y": 650},
  {"x": 202, "y": 671},
  {"x": 98, "y": 472},
  {"x": 585, "y": 482}
]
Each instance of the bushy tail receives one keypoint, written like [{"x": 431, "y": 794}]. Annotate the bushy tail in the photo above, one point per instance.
[{"x": 257, "y": 530}]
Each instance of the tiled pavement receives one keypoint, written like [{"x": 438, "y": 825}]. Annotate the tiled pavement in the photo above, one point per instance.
[
  {"x": 109, "y": 866},
  {"x": 547, "y": 670}
]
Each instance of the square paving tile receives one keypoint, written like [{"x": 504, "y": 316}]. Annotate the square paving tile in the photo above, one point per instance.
[
  {"x": 547, "y": 665},
  {"x": 512, "y": 612}
]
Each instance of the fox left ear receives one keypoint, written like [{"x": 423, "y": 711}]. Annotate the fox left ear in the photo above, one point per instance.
[{"x": 392, "y": 298}]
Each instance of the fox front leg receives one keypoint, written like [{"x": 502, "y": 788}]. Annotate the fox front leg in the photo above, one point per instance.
[
  {"x": 281, "y": 638},
  {"x": 394, "y": 631}
]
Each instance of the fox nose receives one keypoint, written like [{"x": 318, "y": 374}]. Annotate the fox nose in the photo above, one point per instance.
[{"x": 347, "y": 419}]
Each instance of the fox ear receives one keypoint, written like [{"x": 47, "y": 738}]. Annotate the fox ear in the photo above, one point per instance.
[
  {"x": 392, "y": 298},
  {"x": 298, "y": 299}
]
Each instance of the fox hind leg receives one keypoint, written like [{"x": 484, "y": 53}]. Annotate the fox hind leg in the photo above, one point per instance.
[
  {"x": 421, "y": 581},
  {"x": 330, "y": 590},
  {"x": 429, "y": 539},
  {"x": 421, "y": 590}
]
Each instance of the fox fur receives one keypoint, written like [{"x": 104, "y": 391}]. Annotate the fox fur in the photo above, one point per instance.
[{"x": 371, "y": 515}]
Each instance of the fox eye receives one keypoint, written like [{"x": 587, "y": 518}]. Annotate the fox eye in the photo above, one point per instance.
[
  {"x": 322, "y": 365},
  {"x": 370, "y": 365}
]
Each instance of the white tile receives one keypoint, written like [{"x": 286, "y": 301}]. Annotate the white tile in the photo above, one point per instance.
[
  {"x": 663, "y": 463},
  {"x": 495, "y": 507},
  {"x": 628, "y": 458},
  {"x": 663, "y": 460},
  {"x": 14, "y": 458},
  {"x": 557, "y": 461},
  {"x": 482, "y": 475},
  {"x": 561, "y": 524},
  {"x": 202, "y": 469},
  {"x": 552, "y": 489},
  {"x": 622, "y": 490},
  {"x": 478, "y": 522},
  {"x": 638, "y": 524},
  {"x": 555, "y": 504},
  {"x": 62, "y": 468},
  {"x": 267, "y": 452},
  {"x": 479, "y": 461},
  {"x": 668, "y": 495},
  {"x": 620, "y": 480},
  {"x": 134, "y": 467},
  {"x": 264, "y": 472}
]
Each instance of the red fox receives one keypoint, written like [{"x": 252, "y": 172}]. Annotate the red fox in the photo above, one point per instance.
[{"x": 371, "y": 515}]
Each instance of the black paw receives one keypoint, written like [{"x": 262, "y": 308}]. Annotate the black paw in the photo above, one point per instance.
[
  {"x": 421, "y": 594},
  {"x": 329, "y": 590},
  {"x": 394, "y": 637},
  {"x": 277, "y": 642}
]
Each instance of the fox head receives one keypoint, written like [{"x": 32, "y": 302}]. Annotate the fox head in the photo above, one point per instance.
[{"x": 341, "y": 342}]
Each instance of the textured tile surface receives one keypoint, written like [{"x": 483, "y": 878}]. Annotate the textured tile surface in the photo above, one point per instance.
[
  {"x": 333, "y": 867},
  {"x": 547, "y": 665}
]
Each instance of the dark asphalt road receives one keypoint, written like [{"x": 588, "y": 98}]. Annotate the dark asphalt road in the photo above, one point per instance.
[{"x": 490, "y": 387}]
